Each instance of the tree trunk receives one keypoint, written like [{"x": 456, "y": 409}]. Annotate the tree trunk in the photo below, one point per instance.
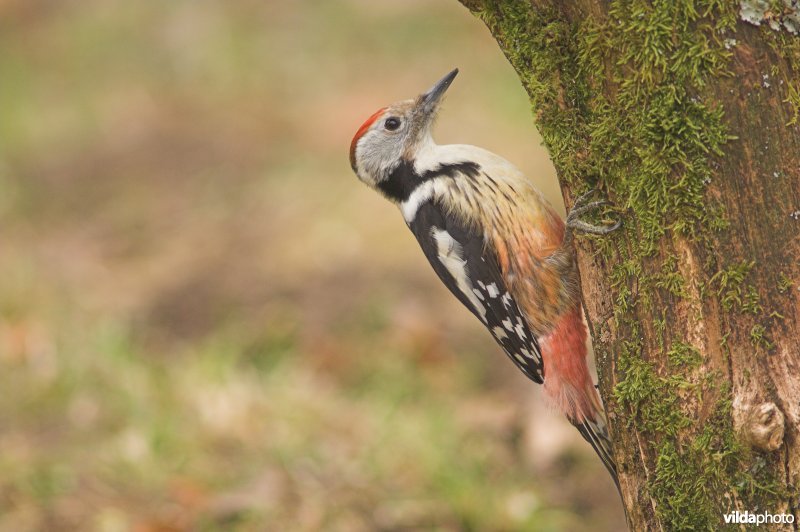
[{"x": 685, "y": 115}]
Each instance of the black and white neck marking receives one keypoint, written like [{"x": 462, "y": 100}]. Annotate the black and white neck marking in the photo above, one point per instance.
[
  {"x": 404, "y": 178},
  {"x": 409, "y": 187}
]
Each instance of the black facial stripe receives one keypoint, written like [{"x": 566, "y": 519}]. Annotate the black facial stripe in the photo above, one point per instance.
[{"x": 404, "y": 179}]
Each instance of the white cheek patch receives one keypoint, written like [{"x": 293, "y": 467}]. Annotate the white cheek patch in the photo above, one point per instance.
[
  {"x": 376, "y": 155},
  {"x": 450, "y": 254}
]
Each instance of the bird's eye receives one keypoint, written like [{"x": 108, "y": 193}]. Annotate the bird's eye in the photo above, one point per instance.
[{"x": 392, "y": 123}]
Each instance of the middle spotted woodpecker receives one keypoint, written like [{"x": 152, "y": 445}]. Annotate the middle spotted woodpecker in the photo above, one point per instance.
[{"x": 496, "y": 244}]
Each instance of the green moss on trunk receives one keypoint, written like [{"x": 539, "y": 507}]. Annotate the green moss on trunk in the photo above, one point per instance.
[
  {"x": 648, "y": 142},
  {"x": 623, "y": 105}
]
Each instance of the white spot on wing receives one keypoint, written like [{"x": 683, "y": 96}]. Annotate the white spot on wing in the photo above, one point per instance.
[
  {"x": 499, "y": 333},
  {"x": 492, "y": 289},
  {"x": 450, "y": 255},
  {"x": 508, "y": 325},
  {"x": 478, "y": 294}
]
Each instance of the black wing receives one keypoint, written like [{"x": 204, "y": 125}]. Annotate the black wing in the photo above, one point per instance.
[{"x": 469, "y": 268}]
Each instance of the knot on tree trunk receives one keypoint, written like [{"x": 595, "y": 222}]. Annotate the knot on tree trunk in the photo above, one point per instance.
[{"x": 761, "y": 426}]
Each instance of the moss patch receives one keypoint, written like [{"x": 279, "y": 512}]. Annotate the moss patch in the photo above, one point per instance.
[
  {"x": 684, "y": 355},
  {"x": 648, "y": 145},
  {"x": 649, "y": 401},
  {"x": 787, "y": 46},
  {"x": 730, "y": 287},
  {"x": 689, "y": 472},
  {"x": 784, "y": 283},
  {"x": 689, "y": 476},
  {"x": 758, "y": 337}
]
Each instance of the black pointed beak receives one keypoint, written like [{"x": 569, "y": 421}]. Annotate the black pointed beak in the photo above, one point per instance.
[{"x": 429, "y": 101}]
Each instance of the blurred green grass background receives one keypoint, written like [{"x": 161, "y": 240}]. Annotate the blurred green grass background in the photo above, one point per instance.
[{"x": 207, "y": 323}]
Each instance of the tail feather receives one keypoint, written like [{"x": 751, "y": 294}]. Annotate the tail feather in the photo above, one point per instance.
[{"x": 596, "y": 433}]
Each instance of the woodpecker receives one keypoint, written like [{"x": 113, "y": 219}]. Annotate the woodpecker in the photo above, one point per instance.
[{"x": 497, "y": 245}]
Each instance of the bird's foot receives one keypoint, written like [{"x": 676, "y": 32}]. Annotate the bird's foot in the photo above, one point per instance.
[{"x": 583, "y": 205}]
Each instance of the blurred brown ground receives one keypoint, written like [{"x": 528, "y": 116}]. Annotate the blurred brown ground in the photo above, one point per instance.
[{"x": 207, "y": 323}]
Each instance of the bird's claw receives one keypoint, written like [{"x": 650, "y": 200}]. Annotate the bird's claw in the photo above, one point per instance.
[{"x": 580, "y": 207}]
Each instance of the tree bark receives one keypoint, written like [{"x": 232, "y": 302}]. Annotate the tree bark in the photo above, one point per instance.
[{"x": 685, "y": 115}]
